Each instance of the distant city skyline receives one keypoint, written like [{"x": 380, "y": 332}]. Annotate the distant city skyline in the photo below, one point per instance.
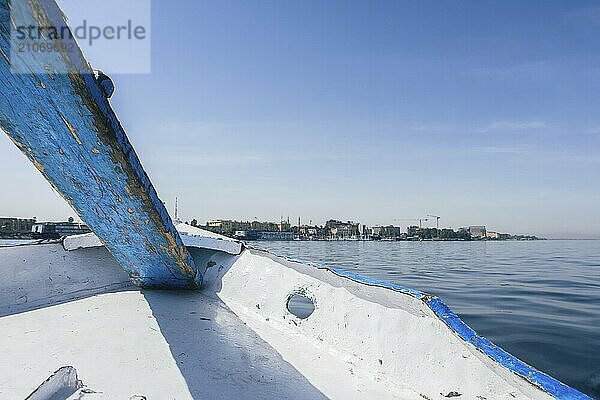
[{"x": 484, "y": 113}]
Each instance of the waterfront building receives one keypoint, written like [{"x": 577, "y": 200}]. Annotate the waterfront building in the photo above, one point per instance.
[
  {"x": 218, "y": 224},
  {"x": 477, "y": 231},
  {"x": 263, "y": 235},
  {"x": 387, "y": 232},
  {"x": 284, "y": 226},
  {"x": 308, "y": 232},
  {"x": 341, "y": 230},
  {"x": 56, "y": 230},
  {"x": 412, "y": 231},
  {"x": 377, "y": 230},
  {"x": 227, "y": 227},
  {"x": 16, "y": 226},
  {"x": 221, "y": 225},
  {"x": 264, "y": 226},
  {"x": 275, "y": 236},
  {"x": 364, "y": 231},
  {"x": 492, "y": 235}
]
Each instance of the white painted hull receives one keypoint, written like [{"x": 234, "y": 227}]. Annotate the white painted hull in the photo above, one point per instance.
[{"x": 235, "y": 338}]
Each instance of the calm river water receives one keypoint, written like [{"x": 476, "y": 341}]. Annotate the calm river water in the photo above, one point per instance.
[{"x": 539, "y": 300}]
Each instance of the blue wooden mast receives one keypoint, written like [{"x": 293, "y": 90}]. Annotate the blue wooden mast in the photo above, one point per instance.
[{"x": 56, "y": 111}]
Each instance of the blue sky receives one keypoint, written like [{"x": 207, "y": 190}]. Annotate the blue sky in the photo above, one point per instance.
[{"x": 481, "y": 112}]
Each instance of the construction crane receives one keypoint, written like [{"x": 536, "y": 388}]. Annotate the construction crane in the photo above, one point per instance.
[
  {"x": 437, "y": 220},
  {"x": 437, "y": 224}
]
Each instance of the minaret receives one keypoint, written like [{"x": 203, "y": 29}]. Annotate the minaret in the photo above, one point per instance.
[{"x": 176, "y": 220}]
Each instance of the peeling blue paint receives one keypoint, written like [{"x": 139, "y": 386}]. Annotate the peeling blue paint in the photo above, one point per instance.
[
  {"x": 65, "y": 125},
  {"x": 545, "y": 382}
]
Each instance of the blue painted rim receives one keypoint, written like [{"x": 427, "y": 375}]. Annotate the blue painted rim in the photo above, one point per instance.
[{"x": 545, "y": 382}]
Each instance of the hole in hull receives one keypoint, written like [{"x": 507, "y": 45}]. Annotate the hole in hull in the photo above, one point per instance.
[{"x": 301, "y": 306}]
